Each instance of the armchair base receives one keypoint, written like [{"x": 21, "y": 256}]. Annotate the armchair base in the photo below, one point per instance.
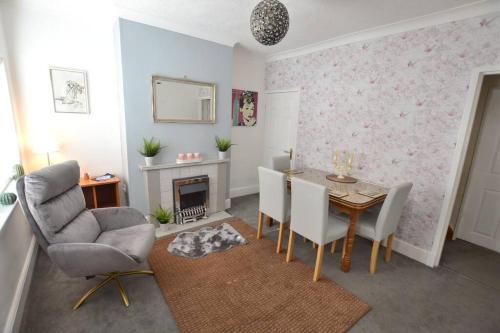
[{"x": 114, "y": 276}]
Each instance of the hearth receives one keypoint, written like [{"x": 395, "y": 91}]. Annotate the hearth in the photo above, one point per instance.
[{"x": 191, "y": 198}]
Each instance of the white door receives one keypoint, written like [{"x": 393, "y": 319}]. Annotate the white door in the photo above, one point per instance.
[
  {"x": 280, "y": 130},
  {"x": 480, "y": 214}
]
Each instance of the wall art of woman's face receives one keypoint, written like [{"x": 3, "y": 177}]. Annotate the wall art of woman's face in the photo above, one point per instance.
[
  {"x": 247, "y": 111},
  {"x": 244, "y": 108}
]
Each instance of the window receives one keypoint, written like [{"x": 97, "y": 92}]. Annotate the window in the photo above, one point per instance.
[{"x": 9, "y": 151}]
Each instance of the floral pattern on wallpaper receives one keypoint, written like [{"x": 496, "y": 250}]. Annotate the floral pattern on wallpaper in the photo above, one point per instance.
[{"x": 397, "y": 101}]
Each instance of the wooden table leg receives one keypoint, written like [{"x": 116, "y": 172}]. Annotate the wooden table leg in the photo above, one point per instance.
[
  {"x": 349, "y": 240},
  {"x": 94, "y": 196},
  {"x": 117, "y": 194}
]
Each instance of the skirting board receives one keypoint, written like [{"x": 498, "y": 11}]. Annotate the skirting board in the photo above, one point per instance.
[
  {"x": 411, "y": 251},
  {"x": 244, "y": 190},
  {"x": 13, "y": 322}
]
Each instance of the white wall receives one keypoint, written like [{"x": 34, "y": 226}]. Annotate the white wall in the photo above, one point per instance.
[
  {"x": 16, "y": 263},
  {"x": 248, "y": 74},
  {"x": 16, "y": 248},
  {"x": 72, "y": 34}
]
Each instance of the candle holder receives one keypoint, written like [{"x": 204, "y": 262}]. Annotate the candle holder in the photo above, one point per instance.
[{"x": 342, "y": 164}]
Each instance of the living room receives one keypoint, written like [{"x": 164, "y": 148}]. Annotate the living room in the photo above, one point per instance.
[{"x": 215, "y": 130}]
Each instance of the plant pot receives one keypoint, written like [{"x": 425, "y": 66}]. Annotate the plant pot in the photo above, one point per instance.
[
  {"x": 222, "y": 155},
  {"x": 164, "y": 226},
  {"x": 149, "y": 160}
]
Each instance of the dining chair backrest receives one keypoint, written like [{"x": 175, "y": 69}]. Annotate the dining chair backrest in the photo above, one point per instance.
[
  {"x": 272, "y": 194},
  {"x": 309, "y": 216},
  {"x": 281, "y": 162},
  {"x": 391, "y": 210}
]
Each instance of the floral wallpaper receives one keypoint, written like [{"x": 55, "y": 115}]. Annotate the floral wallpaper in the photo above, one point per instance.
[{"x": 397, "y": 101}]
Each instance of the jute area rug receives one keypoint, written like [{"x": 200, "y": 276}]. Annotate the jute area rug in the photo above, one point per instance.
[{"x": 250, "y": 288}]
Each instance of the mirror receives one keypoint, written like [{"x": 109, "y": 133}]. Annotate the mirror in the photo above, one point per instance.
[{"x": 183, "y": 101}]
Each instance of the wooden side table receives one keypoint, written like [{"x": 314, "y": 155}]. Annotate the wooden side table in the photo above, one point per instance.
[{"x": 99, "y": 194}]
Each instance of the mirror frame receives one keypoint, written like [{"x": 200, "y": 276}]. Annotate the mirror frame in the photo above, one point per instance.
[{"x": 199, "y": 83}]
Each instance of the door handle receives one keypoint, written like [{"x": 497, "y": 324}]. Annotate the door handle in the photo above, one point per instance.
[{"x": 289, "y": 152}]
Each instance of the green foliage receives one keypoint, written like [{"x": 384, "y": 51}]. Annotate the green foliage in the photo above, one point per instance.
[
  {"x": 7, "y": 198},
  {"x": 150, "y": 147},
  {"x": 163, "y": 216},
  {"x": 18, "y": 171},
  {"x": 223, "y": 144}
]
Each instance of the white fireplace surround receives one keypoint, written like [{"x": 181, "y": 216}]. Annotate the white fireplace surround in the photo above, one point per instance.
[{"x": 158, "y": 182}]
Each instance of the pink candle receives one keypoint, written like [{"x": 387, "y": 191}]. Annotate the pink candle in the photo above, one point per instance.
[
  {"x": 181, "y": 156},
  {"x": 197, "y": 155},
  {"x": 189, "y": 156}
]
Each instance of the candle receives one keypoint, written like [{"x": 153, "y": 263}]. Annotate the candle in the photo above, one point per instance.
[{"x": 351, "y": 158}]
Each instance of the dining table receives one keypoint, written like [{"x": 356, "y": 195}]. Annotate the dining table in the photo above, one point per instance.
[{"x": 350, "y": 198}]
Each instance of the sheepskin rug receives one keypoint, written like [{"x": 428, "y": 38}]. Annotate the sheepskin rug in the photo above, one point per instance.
[{"x": 206, "y": 240}]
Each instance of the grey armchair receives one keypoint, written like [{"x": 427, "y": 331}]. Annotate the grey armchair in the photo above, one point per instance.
[{"x": 109, "y": 242}]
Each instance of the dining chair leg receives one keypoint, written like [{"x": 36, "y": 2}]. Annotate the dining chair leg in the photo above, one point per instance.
[
  {"x": 314, "y": 245},
  {"x": 388, "y": 250},
  {"x": 319, "y": 261},
  {"x": 334, "y": 245},
  {"x": 289, "y": 253},
  {"x": 259, "y": 226},
  {"x": 373, "y": 260},
  {"x": 281, "y": 234}
]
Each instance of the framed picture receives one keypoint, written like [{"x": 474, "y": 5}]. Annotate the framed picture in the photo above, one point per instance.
[
  {"x": 244, "y": 112},
  {"x": 69, "y": 90}
]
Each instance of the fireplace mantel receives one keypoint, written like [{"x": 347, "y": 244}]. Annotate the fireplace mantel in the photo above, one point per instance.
[
  {"x": 183, "y": 165},
  {"x": 158, "y": 182}
]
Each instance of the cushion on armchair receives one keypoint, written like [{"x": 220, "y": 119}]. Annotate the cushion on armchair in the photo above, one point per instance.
[
  {"x": 57, "y": 204},
  {"x": 130, "y": 240},
  {"x": 48, "y": 183}
]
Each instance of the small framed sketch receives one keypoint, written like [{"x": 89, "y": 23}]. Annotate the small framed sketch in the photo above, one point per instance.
[{"x": 69, "y": 90}]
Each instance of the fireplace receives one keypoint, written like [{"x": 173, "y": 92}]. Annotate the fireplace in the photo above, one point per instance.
[{"x": 191, "y": 198}]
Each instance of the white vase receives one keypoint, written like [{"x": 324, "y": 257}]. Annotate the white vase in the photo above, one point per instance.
[
  {"x": 149, "y": 160},
  {"x": 222, "y": 155},
  {"x": 164, "y": 226}
]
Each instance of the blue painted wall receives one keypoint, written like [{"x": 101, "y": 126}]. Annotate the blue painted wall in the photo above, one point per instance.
[{"x": 148, "y": 51}]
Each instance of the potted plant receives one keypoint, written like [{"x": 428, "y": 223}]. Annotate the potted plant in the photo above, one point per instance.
[
  {"x": 223, "y": 146},
  {"x": 150, "y": 148},
  {"x": 164, "y": 217}
]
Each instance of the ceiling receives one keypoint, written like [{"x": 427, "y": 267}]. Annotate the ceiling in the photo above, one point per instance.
[{"x": 311, "y": 21}]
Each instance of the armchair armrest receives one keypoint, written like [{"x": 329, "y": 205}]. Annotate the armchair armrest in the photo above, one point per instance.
[
  {"x": 118, "y": 217},
  {"x": 86, "y": 259}
]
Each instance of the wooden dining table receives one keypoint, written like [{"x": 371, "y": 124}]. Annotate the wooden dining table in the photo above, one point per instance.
[{"x": 347, "y": 198}]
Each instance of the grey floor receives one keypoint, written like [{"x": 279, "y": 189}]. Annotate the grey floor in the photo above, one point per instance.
[{"x": 463, "y": 295}]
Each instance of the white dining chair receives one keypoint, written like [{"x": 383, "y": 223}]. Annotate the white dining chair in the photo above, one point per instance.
[
  {"x": 378, "y": 227},
  {"x": 310, "y": 218},
  {"x": 273, "y": 201},
  {"x": 280, "y": 163}
]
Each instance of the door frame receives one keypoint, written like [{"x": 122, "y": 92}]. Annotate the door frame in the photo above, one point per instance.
[
  {"x": 452, "y": 195},
  {"x": 296, "y": 125}
]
